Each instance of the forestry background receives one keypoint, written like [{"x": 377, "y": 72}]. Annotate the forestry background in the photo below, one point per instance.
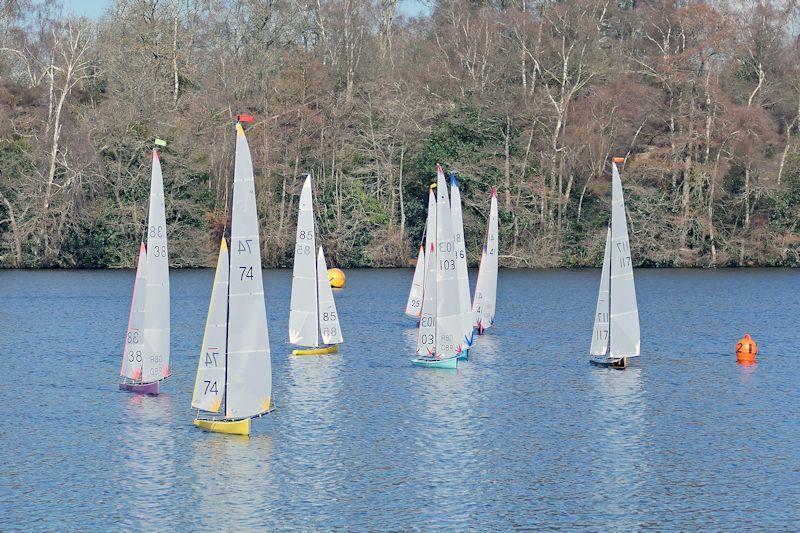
[{"x": 533, "y": 97}]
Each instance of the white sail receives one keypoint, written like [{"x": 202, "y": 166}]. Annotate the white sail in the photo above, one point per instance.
[
  {"x": 328, "y": 317},
  {"x": 155, "y": 364},
  {"x": 134, "y": 336},
  {"x": 624, "y": 328},
  {"x": 209, "y": 385},
  {"x": 465, "y": 307},
  {"x": 249, "y": 386},
  {"x": 303, "y": 327},
  {"x": 426, "y": 337},
  {"x": 414, "y": 303},
  {"x": 449, "y": 327},
  {"x": 486, "y": 287},
  {"x": 600, "y": 332}
]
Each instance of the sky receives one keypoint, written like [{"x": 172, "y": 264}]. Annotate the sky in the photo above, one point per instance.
[{"x": 94, "y": 8}]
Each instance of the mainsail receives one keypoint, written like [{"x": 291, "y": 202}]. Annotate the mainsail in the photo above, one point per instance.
[
  {"x": 155, "y": 363},
  {"x": 303, "y": 326},
  {"x": 486, "y": 287},
  {"x": 328, "y": 317},
  {"x": 209, "y": 385},
  {"x": 600, "y": 332},
  {"x": 465, "y": 308},
  {"x": 624, "y": 328},
  {"x": 449, "y": 327},
  {"x": 414, "y": 303},
  {"x": 134, "y": 338},
  {"x": 248, "y": 389}
]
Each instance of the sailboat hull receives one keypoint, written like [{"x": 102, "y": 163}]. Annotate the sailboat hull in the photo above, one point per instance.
[
  {"x": 229, "y": 427},
  {"x": 463, "y": 356},
  {"x": 610, "y": 362},
  {"x": 323, "y": 350},
  {"x": 436, "y": 363},
  {"x": 141, "y": 388}
]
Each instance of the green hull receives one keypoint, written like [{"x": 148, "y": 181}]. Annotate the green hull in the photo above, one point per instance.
[
  {"x": 436, "y": 363},
  {"x": 464, "y": 355}
]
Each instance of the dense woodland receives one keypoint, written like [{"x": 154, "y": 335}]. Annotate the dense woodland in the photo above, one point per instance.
[{"x": 531, "y": 96}]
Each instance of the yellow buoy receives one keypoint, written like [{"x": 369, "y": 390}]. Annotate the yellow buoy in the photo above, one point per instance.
[{"x": 337, "y": 278}]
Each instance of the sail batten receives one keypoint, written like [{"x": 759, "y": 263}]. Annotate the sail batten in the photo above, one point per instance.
[{"x": 303, "y": 323}]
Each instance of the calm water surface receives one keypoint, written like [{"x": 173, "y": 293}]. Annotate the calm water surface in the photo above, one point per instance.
[{"x": 525, "y": 434}]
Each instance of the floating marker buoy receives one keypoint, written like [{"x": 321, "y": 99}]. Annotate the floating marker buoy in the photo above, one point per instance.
[
  {"x": 746, "y": 350},
  {"x": 337, "y": 278}
]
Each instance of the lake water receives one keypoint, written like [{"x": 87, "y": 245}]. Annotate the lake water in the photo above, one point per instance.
[{"x": 525, "y": 434}]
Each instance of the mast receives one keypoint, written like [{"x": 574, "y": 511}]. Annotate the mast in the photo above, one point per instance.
[
  {"x": 316, "y": 268},
  {"x": 227, "y": 334}
]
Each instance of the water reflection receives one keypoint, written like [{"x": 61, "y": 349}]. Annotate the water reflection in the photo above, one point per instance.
[
  {"x": 410, "y": 334},
  {"x": 316, "y": 401},
  {"x": 747, "y": 371},
  {"x": 232, "y": 478},
  {"x": 619, "y": 463},
  {"x": 147, "y": 461},
  {"x": 442, "y": 439}
]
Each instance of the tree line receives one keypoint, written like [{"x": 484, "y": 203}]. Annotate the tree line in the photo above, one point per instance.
[{"x": 531, "y": 96}]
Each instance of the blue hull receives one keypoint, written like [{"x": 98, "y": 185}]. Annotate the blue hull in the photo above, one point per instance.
[{"x": 451, "y": 363}]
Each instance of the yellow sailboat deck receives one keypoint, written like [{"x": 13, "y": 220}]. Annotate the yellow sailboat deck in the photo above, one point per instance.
[
  {"x": 323, "y": 350},
  {"x": 230, "y": 427}
]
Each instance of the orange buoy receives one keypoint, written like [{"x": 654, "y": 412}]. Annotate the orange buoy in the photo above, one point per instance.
[{"x": 746, "y": 350}]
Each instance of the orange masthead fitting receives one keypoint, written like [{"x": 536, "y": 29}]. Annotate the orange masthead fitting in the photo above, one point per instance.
[
  {"x": 618, "y": 159},
  {"x": 746, "y": 350},
  {"x": 244, "y": 118}
]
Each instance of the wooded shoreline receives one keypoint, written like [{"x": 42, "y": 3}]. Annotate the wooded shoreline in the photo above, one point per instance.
[{"x": 531, "y": 96}]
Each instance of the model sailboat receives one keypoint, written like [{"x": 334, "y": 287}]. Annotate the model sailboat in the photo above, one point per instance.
[
  {"x": 440, "y": 338},
  {"x": 465, "y": 308},
  {"x": 616, "y": 320},
  {"x": 483, "y": 306},
  {"x": 234, "y": 373},
  {"x": 313, "y": 317},
  {"x": 145, "y": 358}
]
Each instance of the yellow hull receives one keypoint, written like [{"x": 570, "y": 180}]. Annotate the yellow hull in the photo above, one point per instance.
[
  {"x": 231, "y": 427},
  {"x": 317, "y": 351}
]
